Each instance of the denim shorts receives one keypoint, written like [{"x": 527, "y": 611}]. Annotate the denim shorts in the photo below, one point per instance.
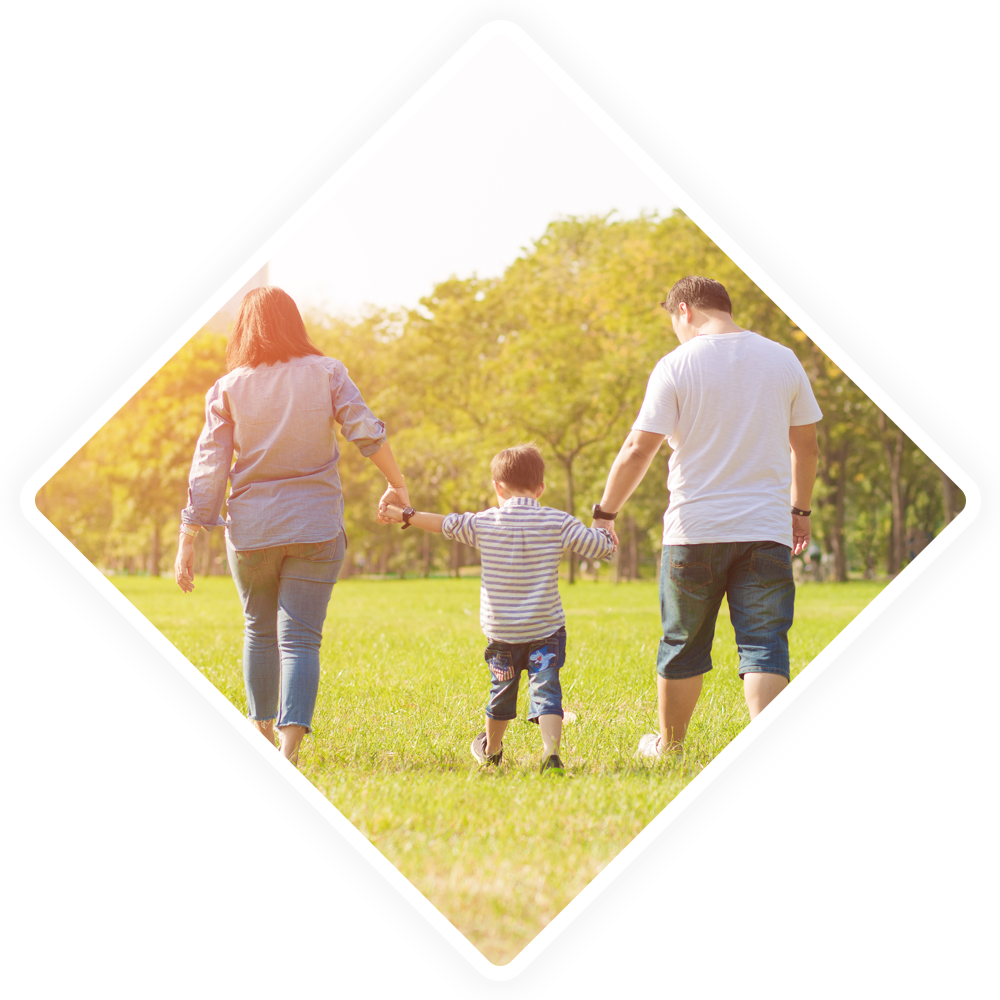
[
  {"x": 542, "y": 659},
  {"x": 755, "y": 577}
]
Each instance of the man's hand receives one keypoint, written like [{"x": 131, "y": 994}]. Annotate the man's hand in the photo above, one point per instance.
[
  {"x": 801, "y": 533},
  {"x": 184, "y": 563},
  {"x": 609, "y": 526}
]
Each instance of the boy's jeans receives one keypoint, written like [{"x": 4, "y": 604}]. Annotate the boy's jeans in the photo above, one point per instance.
[
  {"x": 541, "y": 659},
  {"x": 285, "y": 590},
  {"x": 756, "y": 578}
]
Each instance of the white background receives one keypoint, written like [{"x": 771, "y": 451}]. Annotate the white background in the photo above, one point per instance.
[{"x": 149, "y": 151}]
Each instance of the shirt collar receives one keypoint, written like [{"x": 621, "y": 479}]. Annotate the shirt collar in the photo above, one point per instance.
[{"x": 521, "y": 502}]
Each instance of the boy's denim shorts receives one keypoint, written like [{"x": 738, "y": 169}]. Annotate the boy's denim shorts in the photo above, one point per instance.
[
  {"x": 542, "y": 659},
  {"x": 755, "y": 577}
]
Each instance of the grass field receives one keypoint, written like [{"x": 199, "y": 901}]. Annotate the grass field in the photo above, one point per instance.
[{"x": 401, "y": 695}]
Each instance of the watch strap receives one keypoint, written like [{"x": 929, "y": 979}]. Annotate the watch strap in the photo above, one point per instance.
[{"x": 801, "y": 513}]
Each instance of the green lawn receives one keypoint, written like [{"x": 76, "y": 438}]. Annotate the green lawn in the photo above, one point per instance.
[{"x": 401, "y": 695}]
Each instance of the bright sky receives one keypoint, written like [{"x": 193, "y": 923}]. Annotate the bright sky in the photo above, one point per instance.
[{"x": 478, "y": 174}]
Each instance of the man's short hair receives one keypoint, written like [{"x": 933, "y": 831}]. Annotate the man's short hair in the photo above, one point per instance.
[
  {"x": 521, "y": 467},
  {"x": 698, "y": 293}
]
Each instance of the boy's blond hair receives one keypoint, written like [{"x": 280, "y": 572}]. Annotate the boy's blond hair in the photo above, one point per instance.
[{"x": 521, "y": 467}]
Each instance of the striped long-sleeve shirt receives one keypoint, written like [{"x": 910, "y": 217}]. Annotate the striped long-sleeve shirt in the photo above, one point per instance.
[{"x": 521, "y": 545}]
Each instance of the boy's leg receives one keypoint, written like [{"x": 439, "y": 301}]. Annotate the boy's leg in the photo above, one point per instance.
[
  {"x": 502, "y": 705},
  {"x": 551, "y": 727},
  {"x": 495, "y": 728},
  {"x": 545, "y": 659}
]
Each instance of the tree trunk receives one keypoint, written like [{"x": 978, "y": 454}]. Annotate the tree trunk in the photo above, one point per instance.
[
  {"x": 898, "y": 504},
  {"x": 154, "y": 555},
  {"x": 839, "y": 548},
  {"x": 456, "y": 559},
  {"x": 894, "y": 460},
  {"x": 633, "y": 551},
  {"x": 427, "y": 554}
]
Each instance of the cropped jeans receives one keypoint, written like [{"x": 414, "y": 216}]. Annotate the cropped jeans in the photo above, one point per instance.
[{"x": 284, "y": 590}]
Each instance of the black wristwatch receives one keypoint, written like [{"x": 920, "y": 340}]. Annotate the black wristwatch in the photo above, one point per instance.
[
  {"x": 801, "y": 513},
  {"x": 408, "y": 512},
  {"x": 602, "y": 514}
]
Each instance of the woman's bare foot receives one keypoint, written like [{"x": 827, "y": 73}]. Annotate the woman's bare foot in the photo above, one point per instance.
[
  {"x": 289, "y": 738},
  {"x": 266, "y": 728}
]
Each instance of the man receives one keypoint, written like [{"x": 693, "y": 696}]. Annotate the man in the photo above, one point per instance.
[{"x": 739, "y": 413}]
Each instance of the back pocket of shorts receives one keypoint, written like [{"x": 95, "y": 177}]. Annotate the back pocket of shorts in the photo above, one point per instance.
[
  {"x": 690, "y": 570},
  {"x": 772, "y": 564},
  {"x": 501, "y": 664}
]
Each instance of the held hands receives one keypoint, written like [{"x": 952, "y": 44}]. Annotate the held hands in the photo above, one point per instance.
[
  {"x": 801, "y": 533},
  {"x": 609, "y": 527},
  {"x": 394, "y": 496},
  {"x": 390, "y": 513}
]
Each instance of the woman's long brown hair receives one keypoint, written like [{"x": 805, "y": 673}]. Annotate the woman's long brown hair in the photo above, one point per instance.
[{"x": 268, "y": 328}]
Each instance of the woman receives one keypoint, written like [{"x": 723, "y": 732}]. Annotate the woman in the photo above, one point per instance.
[{"x": 275, "y": 411}]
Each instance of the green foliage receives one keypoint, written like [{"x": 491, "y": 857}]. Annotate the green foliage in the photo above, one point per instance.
[
  {"x": 556, "y": 350},
  {"x": 116, "y": 498}
]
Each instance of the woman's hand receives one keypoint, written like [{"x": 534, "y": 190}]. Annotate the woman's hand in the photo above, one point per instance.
[
  {"x": 184, "y": 563},
  {"x": 398, "y": 496}
]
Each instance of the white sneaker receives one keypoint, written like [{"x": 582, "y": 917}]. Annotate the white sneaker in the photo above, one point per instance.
[
  {"x": 649, "y": 746},
  {"x": 478, "y": 750}
]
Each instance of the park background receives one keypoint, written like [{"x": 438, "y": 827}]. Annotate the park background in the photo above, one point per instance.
[
  {"x": 870, "y": 304},
  {"x": 555, "y": 350}
]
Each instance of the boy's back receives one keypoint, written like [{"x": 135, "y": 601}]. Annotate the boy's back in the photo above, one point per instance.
[{"x": 522, "y": 543}]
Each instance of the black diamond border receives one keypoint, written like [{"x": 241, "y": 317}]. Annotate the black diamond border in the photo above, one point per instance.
[{"x": 233, "y": 251}]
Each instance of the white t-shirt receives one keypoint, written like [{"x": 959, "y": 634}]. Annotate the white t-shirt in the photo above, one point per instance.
[{"x": 725, "y": 402}]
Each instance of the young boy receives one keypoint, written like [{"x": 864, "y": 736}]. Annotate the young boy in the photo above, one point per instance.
[{"x": 520, "y": 609}]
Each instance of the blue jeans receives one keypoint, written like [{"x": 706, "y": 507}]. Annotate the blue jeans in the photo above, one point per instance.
[
  {"x": 284, "y": 590},
  {"x": 756, "y": 578},
  {"x": 541, "y": 659}
]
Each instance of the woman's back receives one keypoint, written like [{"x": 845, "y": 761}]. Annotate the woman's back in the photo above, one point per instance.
[{"x": 278, "y": 422}]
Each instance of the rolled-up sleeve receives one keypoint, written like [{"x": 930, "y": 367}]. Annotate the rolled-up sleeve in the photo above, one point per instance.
[
  {"x": 360, "y": 425},
  {"x": 213, "y": 458},
  {"x": 461, "y": 528}
]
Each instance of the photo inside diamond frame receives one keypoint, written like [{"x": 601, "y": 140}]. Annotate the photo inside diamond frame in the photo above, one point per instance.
[{"x": 497, "y": 684}]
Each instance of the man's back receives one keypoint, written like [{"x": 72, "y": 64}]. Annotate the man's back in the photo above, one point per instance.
[{"x": 725, "y": 403}]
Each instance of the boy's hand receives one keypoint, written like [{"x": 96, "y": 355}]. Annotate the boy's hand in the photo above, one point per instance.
[{"x": 609, "y": 531}]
